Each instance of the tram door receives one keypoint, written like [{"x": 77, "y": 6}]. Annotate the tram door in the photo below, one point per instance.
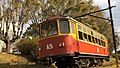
[
  {"x": 74, "y": 32},
  {"x": 73, "y": 29}
]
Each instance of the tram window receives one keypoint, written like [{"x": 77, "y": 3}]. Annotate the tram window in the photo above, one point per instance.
[
  {"x": 101, "y": 37},
  {"x": 52, "y": 29},
  {"x": 88, "y": 31},
  {"x": 84, "y": 29},
  {"x": 93, "y": 39},
  {"x": 96, "y": 40},
  {"x": 92, "y": 33},
  {"x": 98, "y": 37},
  {"x": 49, "y": 29},
  {"x": 64, "y": 27},
  {"x": 85, "y": 36},
  {"x": 80, "y": 35},
  {"x": 104, "y": 44},
  {"x": 89, "y": 37},
  {"x": 79, "y": 27},
  {"x": 99, "y": 41},
  {"x": 73, "y": 27}
]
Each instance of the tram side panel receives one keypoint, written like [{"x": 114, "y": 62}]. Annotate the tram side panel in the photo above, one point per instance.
[{"x": 92, "y": 49}]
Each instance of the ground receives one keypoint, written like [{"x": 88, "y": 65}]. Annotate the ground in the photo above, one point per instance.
[{"x": 22, "y": 61}]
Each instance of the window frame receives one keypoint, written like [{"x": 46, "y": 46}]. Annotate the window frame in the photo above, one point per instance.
[
  {"x": 49, "y": 23},
  {"x": 62, "y": 26}
]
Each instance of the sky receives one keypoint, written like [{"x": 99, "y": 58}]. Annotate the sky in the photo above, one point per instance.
[{"x": 116, "y": 11}]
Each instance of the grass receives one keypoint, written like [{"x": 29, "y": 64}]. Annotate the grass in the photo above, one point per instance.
[
  {"x": 22, "y": 61},
  {"x": 9, "y": 58},
  {"x": 17, "y": 61},
  {"x": 110, "y": 64}
]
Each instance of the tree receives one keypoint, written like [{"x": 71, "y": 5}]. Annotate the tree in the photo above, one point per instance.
[
  {"x": 15, "y": 13},
  {"x": 33, "y": 30}
]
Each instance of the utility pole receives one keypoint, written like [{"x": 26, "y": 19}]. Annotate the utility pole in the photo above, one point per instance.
[{"x": 113, "y": 33}]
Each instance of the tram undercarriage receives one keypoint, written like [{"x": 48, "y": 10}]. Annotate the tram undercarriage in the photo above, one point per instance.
[{"x": 82, "y": 61}]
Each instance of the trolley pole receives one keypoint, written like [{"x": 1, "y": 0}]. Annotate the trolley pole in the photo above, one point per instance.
[{"x": 113, "y": 33}]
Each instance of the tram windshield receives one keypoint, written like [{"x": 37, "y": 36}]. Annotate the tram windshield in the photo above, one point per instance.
[{"x": 49, "y": 29}]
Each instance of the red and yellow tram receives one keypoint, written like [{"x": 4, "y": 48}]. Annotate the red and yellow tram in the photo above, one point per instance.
[{"x": 64, "y": 39}]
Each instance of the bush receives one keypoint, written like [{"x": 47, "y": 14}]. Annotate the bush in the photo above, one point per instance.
[
  {"x": 113, "y": 55},
  {"x": 26, "y": 46}
]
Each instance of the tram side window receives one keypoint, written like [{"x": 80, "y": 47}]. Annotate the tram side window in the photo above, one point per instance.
[
  {"x": 85, "y": 36},
  {"x": 84, "y": 29},
  {"x": 92, "y": 33},
  {"x": 103, "y": 43},
  {"x": 79, "y": 27},
  {"x": 96, "y": 40},
  {"x": 99, "y": 41},
  {"x": 93, "y": 39},
  {"x": 89, "y": 37},
  {"x": 80, "y": 35}
]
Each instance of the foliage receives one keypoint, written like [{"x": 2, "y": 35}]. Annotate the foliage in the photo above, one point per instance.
[
  {"x": 33, "y": 30},
  {"x": 27, "y": 45}
]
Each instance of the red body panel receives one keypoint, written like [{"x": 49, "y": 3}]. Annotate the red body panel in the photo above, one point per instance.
[
  {"x": 55, "y": 41},
  {"x": 70, "y": 46},
  {"x": 93, "y": 49}
]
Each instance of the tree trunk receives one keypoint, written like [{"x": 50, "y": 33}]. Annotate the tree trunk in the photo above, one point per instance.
[{"x": 7, "y": 46}]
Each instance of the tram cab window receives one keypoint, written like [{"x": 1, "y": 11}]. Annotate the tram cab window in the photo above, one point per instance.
[
  {"x": 64, "y": 27},
  {"x": 49, "y": 29}
]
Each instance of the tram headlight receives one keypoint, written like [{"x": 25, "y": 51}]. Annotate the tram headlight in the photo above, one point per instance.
[
  {"x": 40, "y": 49},
  {"x": 61, "y": 44}
]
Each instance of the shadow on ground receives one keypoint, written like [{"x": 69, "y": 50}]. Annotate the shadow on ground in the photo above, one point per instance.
[
  {"x": 22, "y": 66},
  {"x": 18, "y": 61}
]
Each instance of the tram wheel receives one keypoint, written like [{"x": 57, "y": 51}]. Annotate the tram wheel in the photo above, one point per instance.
[{"x": 76, "y": 66}]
